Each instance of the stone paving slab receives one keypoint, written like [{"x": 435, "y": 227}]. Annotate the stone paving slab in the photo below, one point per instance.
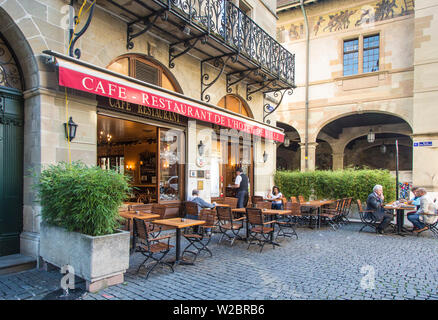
[{"x": 322, "y": 264}]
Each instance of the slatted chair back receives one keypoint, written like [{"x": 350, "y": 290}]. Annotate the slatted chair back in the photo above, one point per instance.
[
  {"x": 142, "y": 229},
  {"x": 224, "y": 213},
  {"x": 190, "y": 208},
  {"x": 293, "y": 199},
  {"x": 159, "y": 209},
  {"x": 361, "y": 210},
  {"x": 294, "y": 207},
  {"x": 301, "y": 199},
  {"x": 255, "y": 216},
  {"x": 232, "y": 202},
  {"x": 255, "y": 199},
  {"x": 209, "y": 216},
  {"x": 264, "y": 205},
  {"x": 140, "y": 207}
]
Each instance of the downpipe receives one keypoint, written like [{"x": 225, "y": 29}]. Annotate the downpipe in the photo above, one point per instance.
[{"x": 306, "y": 138}]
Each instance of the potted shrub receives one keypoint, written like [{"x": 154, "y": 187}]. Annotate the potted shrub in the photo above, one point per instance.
[{"x": 80, "y": 222}]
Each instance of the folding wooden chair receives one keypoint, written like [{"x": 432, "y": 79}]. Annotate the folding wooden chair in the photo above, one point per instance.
[
  {"x": 260, "y": 232},
  {"x": 286, "y": 223},
  {"x": 228, "y": 225},
  {"x": 366, "y": 217},
  {"x": 151, "y": 247},
  {"x": 199, "y": 241}
]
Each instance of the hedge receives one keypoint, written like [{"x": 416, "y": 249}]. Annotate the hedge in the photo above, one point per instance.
[{"x": 357, "y": 184}]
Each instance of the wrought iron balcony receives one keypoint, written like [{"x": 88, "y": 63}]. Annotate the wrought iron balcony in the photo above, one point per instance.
[{"x": 217, "y": 32}]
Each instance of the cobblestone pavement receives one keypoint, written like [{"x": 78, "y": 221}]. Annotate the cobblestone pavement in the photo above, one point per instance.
[{"x": 322, "y": 264}]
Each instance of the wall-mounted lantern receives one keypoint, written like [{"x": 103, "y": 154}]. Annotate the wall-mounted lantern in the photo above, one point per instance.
[{"x": 70, "y": 129}]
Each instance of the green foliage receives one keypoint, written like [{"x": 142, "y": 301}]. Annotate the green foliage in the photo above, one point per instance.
[
  {"x": 81, "y": 198},
  {"x": 357, "y": 184}
]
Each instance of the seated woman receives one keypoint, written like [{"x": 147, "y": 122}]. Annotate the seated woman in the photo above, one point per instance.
[
  {"x": 426, "y": 215},
  {"x": 276, "y": 194}
]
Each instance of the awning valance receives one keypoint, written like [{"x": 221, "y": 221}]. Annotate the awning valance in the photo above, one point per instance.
[{"x": 102, "y": 82}]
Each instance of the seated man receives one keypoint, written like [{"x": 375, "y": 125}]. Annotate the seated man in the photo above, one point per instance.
[
  {"x": 425, "y": 215},
  {"x": 200, "y": 202},
  {"x": 375, "y": 204}
]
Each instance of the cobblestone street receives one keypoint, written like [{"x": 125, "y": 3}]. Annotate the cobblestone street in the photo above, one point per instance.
[{"x": 320, "y": 265}]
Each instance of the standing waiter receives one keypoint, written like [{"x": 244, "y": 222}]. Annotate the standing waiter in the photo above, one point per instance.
[{"x": 241, "y": 183}]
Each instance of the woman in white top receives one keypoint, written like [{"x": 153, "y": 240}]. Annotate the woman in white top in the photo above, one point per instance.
[{"x": 276, "y": 194}]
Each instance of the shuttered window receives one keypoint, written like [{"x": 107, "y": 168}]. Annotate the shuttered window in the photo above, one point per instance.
[{"x": 146, "y": 73}]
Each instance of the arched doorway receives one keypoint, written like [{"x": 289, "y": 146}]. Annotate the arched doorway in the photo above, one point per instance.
[
  {"x": 288, "y": 153},
  {"x": 11, "y": 151},
  {"x": 235, "y": 104}
]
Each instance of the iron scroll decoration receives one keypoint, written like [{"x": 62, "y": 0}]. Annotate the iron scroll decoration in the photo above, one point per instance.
[
  {"x": 267, "y": 111},
  {"x": 148, "y": 22},
  {"x": 218, "y": 62},
  {"x": 74, "y": 37}
]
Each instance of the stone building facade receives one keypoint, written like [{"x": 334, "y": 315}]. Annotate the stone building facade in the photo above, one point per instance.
[
  {"x": 372, "y": 66},
  {"x": 28, "y": 28}
]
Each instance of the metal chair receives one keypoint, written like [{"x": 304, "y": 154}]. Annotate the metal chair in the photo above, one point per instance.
[
  {"x": 228, "y": 225},
  {"x": 232, "y": 202},
  {"x": 259, "y": 232},
  {"x": 200, "y": 240},
  {"x": 256, "y": 199},
  {"x": 151, "y": 247},
  {"x": 190, "y": 208},
  {"x": 432, "y": 227},
  {"x": 367, "y": 219},
  {"x": 286, "y": 223},
  {"x": 333, "y": 215}
]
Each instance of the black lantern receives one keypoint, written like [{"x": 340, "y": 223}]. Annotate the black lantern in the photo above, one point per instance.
[
  {"x": 201, "y": 148},
  {"x": 70, "y": 129},
  {"x": 265, "y": 156}
]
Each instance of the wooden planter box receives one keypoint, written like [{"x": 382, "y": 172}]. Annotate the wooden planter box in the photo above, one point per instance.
[{"x": 101, "y": 261}]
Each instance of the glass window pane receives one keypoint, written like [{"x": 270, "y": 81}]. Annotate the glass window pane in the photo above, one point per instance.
[
  {"x": 171, "y": 157},
  {"x": 371, "y": 54},
  {"x": 351, "y": 57}
]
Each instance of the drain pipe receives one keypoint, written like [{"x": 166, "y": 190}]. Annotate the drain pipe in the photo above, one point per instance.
[{"x": 306, "y": 139}]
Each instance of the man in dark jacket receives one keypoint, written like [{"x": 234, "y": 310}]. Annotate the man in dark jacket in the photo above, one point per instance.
[{"x": 375, "y": 204}]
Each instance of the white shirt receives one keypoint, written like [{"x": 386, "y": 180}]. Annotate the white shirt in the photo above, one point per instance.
[
  {"x": 278, "y": 196},
  {"x": 238, "y": 180}
]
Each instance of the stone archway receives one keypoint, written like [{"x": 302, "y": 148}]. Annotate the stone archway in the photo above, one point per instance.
[
  {"x": 31, "y": 134},
  {"x": 343, "y": 130},
  {"x": 289, "y": 154}
]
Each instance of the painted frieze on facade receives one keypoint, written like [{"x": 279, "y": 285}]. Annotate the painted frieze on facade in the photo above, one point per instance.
[{"x": 354, "y": 17}]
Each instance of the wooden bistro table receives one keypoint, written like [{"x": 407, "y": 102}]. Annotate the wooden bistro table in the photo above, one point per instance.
[
  {"x": 400, "y": 214},
  {"x": 179, "y": 223},
  {"x": 317, "y": 204},
  {"x": 130, "y": 215}
]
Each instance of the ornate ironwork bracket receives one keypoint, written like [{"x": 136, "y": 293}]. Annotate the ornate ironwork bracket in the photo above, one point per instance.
[
  {"x": 268, "y": 109},
  {"x": 242, "y": 75},
  {"x": 218, "y": 62},
  {"x": 264, "y": 84},
  {"x": 148, "y": 22},
  {"x": 74, "y": 37},
  {"x": 189, "y": 44}
]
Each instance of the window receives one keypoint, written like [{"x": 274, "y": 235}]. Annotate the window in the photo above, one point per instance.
[
  {"x": 235, "y": 104},
  {"x": 245, "y": 8},
  {"x": 351, "y": 57},
  {"x": 145, "y": 69},
  {"x": 371, "y": 53}
]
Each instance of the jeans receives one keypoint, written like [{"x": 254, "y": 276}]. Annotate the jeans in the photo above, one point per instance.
[
  {"x": 415, "y": 220},
  {"x": 277, "y": 206}
]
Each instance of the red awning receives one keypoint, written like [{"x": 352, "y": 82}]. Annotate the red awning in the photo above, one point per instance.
[{"x": 99, "y": 82}]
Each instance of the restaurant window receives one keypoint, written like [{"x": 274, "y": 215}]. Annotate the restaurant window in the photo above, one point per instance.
[
  {"x": 145, "y": 69},
  {"x": 351, "y": 57},
  {"x": 371, "y": 53},
  {"x": 171, "y": 154},
  {"x": 235, "y": 104}
]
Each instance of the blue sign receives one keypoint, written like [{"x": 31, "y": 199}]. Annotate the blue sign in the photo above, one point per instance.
[{"x": 423, "y": 144}]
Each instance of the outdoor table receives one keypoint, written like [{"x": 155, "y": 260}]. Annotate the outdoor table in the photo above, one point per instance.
[
  {"x": 317, "y": 204},
  {"x": 222, "y": 205},
  {"x": 179, "y": 223},
  {"x": 400, "y": 214},
  {"x": 129, "y": 215}
]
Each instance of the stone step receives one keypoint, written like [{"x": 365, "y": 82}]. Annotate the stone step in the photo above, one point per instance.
[{"x": 16, "y": 263}]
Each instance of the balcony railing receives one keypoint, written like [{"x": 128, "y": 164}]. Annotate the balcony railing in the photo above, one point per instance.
[{"x": 228, "y": 23}]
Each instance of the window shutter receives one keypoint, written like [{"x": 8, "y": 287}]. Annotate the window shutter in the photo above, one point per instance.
[{"x": 146, "y": 73}]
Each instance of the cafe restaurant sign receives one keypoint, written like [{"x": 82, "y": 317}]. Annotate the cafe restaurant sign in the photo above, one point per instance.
[
  {"x": 139, "y": 110},
  {"x": 79, "y": 77}
]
